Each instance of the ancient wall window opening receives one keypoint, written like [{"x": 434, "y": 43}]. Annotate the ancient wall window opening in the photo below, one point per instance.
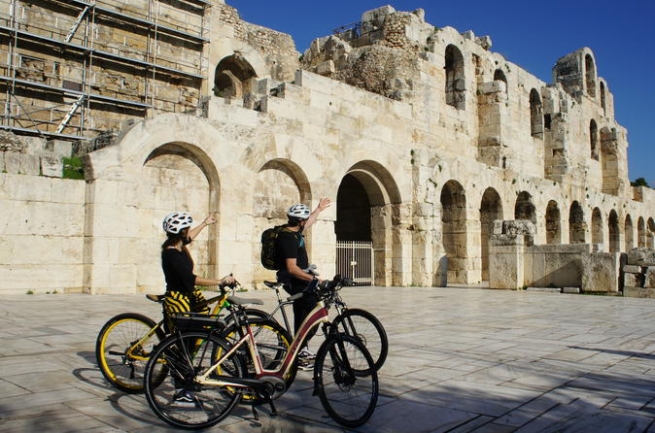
[
  {"x": 491, "y": 209},
  {"x": 455, "y": 78},
  {"x": 614, "y": 232},
  {"x": 629, "y": 233},
  {"x": 590, "y": 75},
  {"x": 453, "y": 220},
  {"x": 234, "y": 77},
  {"x": 593, "y": 140},
  {"x": 603, "y": 96},
  {"x": 524, "y": 209},
  {"x": 536, "y": 115},
  {"x": 641, "y": 233},
  {"x": 596, "y": 227},
  {"x": 553, "y": 223},
  {"x": 499, "y": 75},
  {"x": 577, "y": 225}
]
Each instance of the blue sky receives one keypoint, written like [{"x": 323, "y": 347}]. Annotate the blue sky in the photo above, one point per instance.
[{"x": 530, "y": 34}]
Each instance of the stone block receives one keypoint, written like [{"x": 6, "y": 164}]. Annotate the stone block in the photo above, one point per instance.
[
  {"x": 632, "y": 269},
  {"x": 19, "y": 163},
  {"x": 649, "y": 277},
  {"x": 571, "y": 290},
  {"x": 60, "y": 148},
  {"x": 638, "y": 292},
  {"x": 51, "y": 166},
  {"x": 600, "y": 272},
  {"x": 632, "y": 280},
  {"x": 641, "y": 257}
]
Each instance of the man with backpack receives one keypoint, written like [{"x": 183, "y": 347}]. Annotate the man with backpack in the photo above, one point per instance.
[{"x": 292, "y": 262}]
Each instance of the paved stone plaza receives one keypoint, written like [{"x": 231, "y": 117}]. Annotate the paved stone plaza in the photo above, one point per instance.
[{"x": 461, "y": 360}]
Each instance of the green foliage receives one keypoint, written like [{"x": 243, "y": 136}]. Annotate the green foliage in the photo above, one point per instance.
[
  {"x": 30, "y": 292},
  {"x": 640, "y": 182},
  {"x": 73, "y": 168}
]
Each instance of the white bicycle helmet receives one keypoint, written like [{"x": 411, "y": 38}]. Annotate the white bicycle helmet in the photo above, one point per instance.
[
  {"x": 175, "y": 222},
  {"x": 300, "y": 211}
]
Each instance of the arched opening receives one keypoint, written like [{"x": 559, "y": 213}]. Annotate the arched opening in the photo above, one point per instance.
[
  {"x": 491, "y": 209},
  {"x": 499, "y": 75},
  {"x": 553, "y": 223},
  {"x": 453, "y": 219},
  {"x": 615, "y": 236},
  {"x": 455, "y": 78},
  {"x": 650, "y": 238},
  {"x": 603, "y": 100},
  {"x": 597, "y": 228},
  {"x": 179, "y": 177},
  {"x": 629, "y": 234},
  {"x": 536, "y": 115},
  {"x": 609, "y": 161},
  {"x": 233, "y": 77},
  {"x": 524, "y": 208},
  {"x": 641, "y": 233},
  {"x": 368, "y": 207},
  {"x": 577, "y": 225},
  {"x": 590, "y": 75},
  {"x": 280, "y": 183},
  {"x": 593, "y": 139}
]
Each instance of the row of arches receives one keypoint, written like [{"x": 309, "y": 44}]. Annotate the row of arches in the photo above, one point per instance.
[{"x": 609, "y": 231}]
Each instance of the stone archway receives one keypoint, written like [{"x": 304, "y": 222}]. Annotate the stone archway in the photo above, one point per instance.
[
  {"x": 614, "y": 232},
  {"x": 491, "y": 209},
  {"x": 629, "y": 233},
  {"x": 453, "y": 223},
  {"x": 597, "y": 227},
  {"x": 524, "y": 208},
  {"x": 280, "y": 184},
  {"x": 368, "y": 209},
  {"x": 553, "y": 223},
  {"x": 577, "y": 224}
]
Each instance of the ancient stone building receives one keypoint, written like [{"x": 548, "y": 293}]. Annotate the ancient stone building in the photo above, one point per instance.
[{"x": 448, "y": 163}]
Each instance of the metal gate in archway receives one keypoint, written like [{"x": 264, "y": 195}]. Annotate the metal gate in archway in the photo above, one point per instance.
[{"x": 355, "y": 260}]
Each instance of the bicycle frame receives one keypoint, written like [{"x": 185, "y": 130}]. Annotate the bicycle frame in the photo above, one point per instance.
[
  {"x": 317, "y": 316},
  {"x": 132, "y": 353}
]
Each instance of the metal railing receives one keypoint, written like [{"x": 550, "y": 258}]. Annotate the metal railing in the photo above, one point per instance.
[{"x": 355, "y": 260}]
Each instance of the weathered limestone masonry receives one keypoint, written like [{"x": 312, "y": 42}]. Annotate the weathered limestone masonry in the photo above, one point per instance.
[{"x": 458, "y": 166}]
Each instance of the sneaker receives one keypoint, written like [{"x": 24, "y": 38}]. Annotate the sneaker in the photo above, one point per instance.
[
  {"x": 306, "y": 355},
  {"x": 305, "y": 365},
  {"x": 184, "y": 399}
]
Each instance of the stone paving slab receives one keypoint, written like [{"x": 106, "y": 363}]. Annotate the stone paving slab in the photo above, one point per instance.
[{"x": 460, "y": 360}]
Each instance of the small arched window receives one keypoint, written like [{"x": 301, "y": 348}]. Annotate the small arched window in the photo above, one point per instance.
[
  {"x": 536, "y": 115},
  {"x": 593, "y": 139},
  {"x": 455, "y": 78},
  {"x": 590, "y": 75}
]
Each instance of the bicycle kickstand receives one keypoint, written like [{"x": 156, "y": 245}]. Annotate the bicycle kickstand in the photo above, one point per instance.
[{"x": 273, "y": 410}]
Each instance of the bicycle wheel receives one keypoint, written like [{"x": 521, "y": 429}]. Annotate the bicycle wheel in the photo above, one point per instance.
[
  {"x": 273, "y": 343},
  {"x": 346, "y": 380},
  {"x": 366, "y": 328},
  {"x": 123, "y": 347},
  {"x": 182, "y": 357}
]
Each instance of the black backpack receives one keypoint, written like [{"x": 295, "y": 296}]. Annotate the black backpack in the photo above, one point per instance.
[{"x": 268, "y": 254}]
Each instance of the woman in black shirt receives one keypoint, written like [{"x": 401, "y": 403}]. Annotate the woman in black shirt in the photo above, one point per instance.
[{"x": 177, "y": 264}]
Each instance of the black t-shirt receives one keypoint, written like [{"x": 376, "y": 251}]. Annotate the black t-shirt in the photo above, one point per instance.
[
  {"x": 291, "y": 245},
  {"x": 178, "y": 271}
]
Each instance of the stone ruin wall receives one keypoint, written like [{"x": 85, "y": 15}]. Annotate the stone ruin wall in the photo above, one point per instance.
[{"x": 442, "y": 151}]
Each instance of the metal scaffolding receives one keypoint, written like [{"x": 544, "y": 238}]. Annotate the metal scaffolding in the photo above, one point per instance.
[{"x": 74, "y": 69}]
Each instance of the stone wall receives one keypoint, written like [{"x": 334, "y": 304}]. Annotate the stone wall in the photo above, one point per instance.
[{"x": 444, "y": 139}]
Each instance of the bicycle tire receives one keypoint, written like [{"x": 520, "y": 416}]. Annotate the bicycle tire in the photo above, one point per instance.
[
  {"x": 273, "y": 343},
  {"x": 210, "y": 404},
  {"x": 120, "y": 360},
  {"x": 364, "y": 326},
  {"x": 346, "y": 380}
]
